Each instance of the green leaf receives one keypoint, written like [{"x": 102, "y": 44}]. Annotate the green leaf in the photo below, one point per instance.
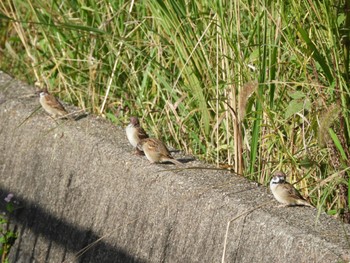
[
  {"x": 293, "y": 107},
  {"x": 111, "y": 117},
  {"x": 9, "y": 207},
  {"x": 81, "y": 28},
  {"x": 332, "y": 212},
  {"x": 307, "y": 104},
  {"x": 297, "y": 95},
  {"x": 316, "y": 54},
  {"x": 337, "y": 143},
  {"x": 296, "y": 106},
  {"x": 2, "y": 240},
  {"x": 10, "y": 234},
  {"x": 2, "y": 16}
]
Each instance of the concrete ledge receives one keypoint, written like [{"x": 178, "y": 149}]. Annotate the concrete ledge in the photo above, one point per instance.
[{"x": 78, "y": 182}]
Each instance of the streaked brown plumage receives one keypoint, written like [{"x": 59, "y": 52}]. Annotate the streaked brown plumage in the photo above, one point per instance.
[{"x": 156, "y": 151}]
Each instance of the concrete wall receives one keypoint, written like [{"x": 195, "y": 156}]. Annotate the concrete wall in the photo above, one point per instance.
[{"x": 78, "y": 184}]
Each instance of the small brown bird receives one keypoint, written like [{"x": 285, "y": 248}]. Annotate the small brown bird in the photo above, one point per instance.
[
  {"x": 156, "y": 151},
  {"x": 51, "y": 105},
  {"x": 284, "y": 192},
  {"x": 135, "y": 133}
]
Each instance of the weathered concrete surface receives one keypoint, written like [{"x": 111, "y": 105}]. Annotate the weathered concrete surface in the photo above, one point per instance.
[{"x": 79, "y": 181}]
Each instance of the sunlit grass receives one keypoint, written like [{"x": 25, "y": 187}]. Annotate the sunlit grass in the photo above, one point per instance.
[{"x": 248, "y": 84}]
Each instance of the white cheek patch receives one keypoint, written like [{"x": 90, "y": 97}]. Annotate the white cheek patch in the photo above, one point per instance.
[
  {"x": 275, "y": 180},
  {"x": 42, "y": 94},
  {"x": 281, "y": 179}
]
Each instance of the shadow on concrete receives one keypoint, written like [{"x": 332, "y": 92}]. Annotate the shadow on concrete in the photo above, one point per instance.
[
  {"x": 181, "y": 160},
  {"x": 80, "y": 116},
  {"x": 186, "y": 160},
  {"x": 73, "y": 239}
]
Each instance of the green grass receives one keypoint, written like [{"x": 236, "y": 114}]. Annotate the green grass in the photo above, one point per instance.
[{"x": 253, "y": 85}]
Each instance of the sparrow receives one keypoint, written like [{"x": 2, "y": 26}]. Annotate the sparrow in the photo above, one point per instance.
[
  {"x": 51, "y": 105},
  {"x": 284, "y": 192},
  {"x": 135, "y": 133},
  {"x": 156, "y": 151}
]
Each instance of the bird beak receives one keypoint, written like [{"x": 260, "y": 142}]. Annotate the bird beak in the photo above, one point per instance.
[{"x": 37, "y": 93}]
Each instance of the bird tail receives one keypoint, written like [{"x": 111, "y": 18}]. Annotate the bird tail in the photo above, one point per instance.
[
  {"x": 304, "y": 202},
  {"x": 174, "y": 161}
]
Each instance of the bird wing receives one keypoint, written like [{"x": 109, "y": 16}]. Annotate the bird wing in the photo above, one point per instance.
[
  {"x": 292, "y": 191},
  {"x": 163, "y": 150},
  {"x": 54, "y": 103}
]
